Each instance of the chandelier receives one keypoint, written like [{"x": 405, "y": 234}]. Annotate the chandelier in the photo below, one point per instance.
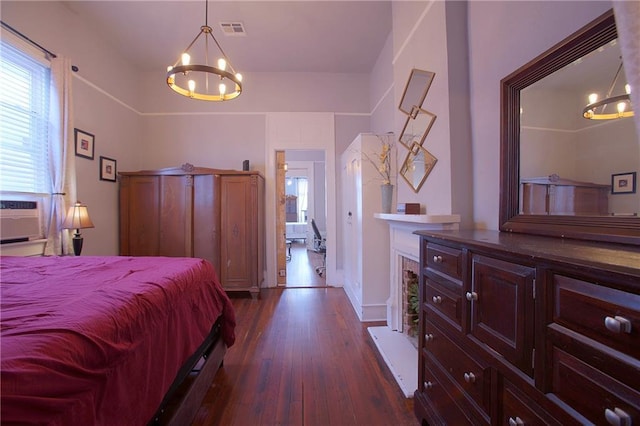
[
  {"x": 204, "y": 82},
  {"x": 595, "y": 110}
]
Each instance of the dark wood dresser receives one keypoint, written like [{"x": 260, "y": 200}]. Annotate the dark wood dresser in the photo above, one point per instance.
[{"x": 527, "y": 330}]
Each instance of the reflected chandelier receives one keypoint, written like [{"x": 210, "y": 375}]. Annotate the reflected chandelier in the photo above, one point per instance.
[
  {"x": 193, "y": 80},
  {"x": 622, "y": 103}
]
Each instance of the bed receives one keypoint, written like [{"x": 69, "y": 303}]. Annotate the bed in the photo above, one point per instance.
[{"x": 108, "y": 340}]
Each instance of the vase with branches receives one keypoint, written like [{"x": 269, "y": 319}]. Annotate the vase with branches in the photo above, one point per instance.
[{"x": 382, "y": 162}]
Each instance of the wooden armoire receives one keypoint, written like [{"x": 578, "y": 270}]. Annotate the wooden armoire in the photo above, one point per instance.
[{"x": 216, "y": 215}]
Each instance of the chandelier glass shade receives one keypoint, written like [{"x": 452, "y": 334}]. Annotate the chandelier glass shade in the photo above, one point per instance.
[
  {"x": 204, "y": 81},
  {"x": 619, "y": 106}
]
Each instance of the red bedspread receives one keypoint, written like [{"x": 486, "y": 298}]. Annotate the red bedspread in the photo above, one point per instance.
[{"x": 99, "y": 340}]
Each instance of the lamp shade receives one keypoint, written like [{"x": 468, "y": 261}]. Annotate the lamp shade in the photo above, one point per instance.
[{"x": 77, "y": 217}]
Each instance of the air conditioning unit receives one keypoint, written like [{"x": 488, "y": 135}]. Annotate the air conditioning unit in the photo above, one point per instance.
[{"x": 19, "y": 221}]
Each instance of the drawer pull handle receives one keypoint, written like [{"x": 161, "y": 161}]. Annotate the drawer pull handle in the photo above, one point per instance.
[
  {"x": 617, "y": 417},
  {"x": 437, "y": 300},
  {"x": 428, "y": 337},
  {"x": 617, "y": 324},
  {"x": 428, "y": 385},
  {"x": 437, "y": 259},
  {"x": 515, "y": 422},
  {"x": 469, "y": 377},
  {"x": 471, "y": 296}
]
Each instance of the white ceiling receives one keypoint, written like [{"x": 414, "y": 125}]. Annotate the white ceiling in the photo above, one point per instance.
[{"x": 284, "y": 36}]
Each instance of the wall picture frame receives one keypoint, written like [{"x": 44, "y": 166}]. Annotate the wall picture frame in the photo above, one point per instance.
[
  {"x": 108, "y": 169},
  {"x": 623, "y": 183},
  {"x": 85, "y": 144}
]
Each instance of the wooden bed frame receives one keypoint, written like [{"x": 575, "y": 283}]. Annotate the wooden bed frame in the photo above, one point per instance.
[{"x": 183, "y": 400}]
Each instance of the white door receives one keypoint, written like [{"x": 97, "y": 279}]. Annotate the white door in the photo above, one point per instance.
[{"x": 350, "y": 214}]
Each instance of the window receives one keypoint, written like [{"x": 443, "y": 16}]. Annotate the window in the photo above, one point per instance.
[{"x": 24, "y": 120}]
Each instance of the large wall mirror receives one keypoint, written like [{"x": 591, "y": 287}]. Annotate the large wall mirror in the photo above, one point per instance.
[{"x": 557, "y": 167}]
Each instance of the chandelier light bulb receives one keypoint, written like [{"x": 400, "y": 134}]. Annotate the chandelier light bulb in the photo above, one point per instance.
[
  {"x": 186, "y": 59},
  {"x": 192, "y": 85},
  {"x": 627, "y": 88},
  {"x": 222, "y": 89},
  {"x": 222, "y": 64},
  {"x": 621, "y": 107},
  {"x": 593, "y": 98},
  {"x": 239, "y": 76},
  {"x": 171, "y": 78}
]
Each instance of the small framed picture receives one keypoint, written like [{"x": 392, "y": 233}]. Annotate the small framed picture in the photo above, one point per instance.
[
  {"x": 84, "y": 144},
  {"x": 107, "y": 169},
  {"x": 623, "y": 183}
]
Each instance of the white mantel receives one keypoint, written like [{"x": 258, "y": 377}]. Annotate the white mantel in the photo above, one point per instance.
[{"x": 403, "y": 242}]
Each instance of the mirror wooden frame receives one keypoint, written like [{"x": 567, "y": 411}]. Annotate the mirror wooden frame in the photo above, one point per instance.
[{"x": 597, "y": 228}]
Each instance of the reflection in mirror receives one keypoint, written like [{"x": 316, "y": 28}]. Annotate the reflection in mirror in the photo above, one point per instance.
[
  {"x": 588, "y": 151},
  {"x": 417, "y": 166},
  {"x": 416, "y": 90},
  {"x": 416, "y": 129},
  {"x": 582, "y": 154}
]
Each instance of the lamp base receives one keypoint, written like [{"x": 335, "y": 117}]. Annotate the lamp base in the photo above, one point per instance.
[{"x": 77, "y": 245}]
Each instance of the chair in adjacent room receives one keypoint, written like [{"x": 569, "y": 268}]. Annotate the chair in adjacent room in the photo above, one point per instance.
[{"x": 319, "y": 246}]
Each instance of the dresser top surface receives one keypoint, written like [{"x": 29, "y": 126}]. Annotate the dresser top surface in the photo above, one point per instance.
[{"x": 619, "y": 257}]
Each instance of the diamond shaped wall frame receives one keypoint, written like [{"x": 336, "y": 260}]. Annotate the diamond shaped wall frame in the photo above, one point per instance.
[
  {"x": 417, "y": 127},
  {"x": 416, "y": 90},
  {"x": 417, "y": 166}
]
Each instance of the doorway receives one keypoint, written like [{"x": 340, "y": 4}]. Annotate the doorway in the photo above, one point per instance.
[{"x": 303, "y": 196}]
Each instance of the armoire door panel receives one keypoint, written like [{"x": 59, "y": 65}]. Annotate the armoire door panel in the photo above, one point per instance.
[
  {"x": 143, "y": 216},
  {"x": 206, "y": 237},
  {"x": 235, "y": 224},
  {"x": 175, "y": 216}
]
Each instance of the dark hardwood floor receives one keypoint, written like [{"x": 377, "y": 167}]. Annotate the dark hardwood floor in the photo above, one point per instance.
[{"x": 301, "y": 357}]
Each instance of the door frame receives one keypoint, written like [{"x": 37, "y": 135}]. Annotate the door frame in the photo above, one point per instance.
[{"x": 313, "y": 131}]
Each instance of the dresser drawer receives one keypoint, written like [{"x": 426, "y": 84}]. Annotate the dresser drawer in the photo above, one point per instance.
[
  {"x": 442, "y": 397},
  {"x": 472, "y": 377},
  {"x": 445, "y": 298},
  {"x": 609, "y": 316},
  {"x": 443, "y": 259},
  {"x": 518, "y": 409},
  {"x": 595, "y": 395}
]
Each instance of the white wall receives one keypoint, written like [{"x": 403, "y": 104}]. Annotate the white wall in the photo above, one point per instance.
[
  {"x": 142, "y": 124},
  {"x": 105, "y": 106},
  {"x": 430, "y": 35}
]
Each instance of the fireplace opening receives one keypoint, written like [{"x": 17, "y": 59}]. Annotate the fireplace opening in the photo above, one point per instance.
[{"x": 410, "y": 299}]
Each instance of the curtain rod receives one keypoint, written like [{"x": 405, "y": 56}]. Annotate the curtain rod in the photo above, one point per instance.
[{"x": 33, "y": 43}]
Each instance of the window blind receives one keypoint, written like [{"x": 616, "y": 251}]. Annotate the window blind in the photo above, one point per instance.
[{"x": 24, "y": 121}]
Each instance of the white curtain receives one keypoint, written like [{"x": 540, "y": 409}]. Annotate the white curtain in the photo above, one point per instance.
[
  {"x": 61, "y": 157},
  {"x": 627, "y": 15}
]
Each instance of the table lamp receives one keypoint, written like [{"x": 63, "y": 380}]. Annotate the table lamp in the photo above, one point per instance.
[{"x": 77, "y": 218}]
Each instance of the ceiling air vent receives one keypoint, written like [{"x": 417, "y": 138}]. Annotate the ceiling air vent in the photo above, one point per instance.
[{"x": 233, "y": 28}]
